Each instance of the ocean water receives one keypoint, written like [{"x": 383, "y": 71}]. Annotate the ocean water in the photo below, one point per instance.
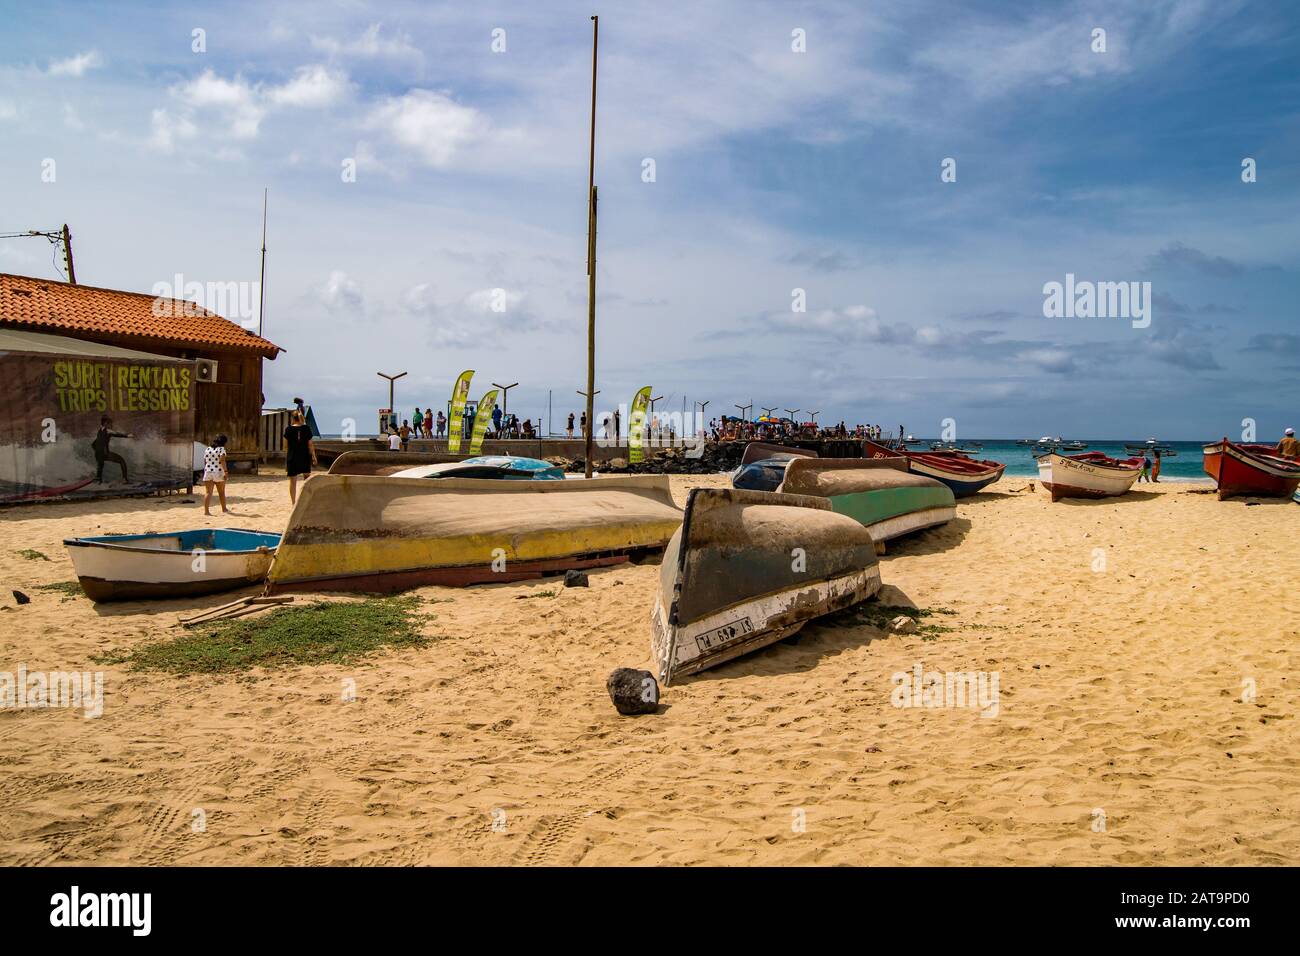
[{"x": 1019, "y": 459}]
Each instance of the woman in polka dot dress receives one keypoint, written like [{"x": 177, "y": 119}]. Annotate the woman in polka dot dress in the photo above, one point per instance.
[{"x": 214, "y": 473}]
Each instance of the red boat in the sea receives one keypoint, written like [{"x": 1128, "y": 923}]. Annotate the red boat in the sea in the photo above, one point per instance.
[
  {"x": 961, "y": 473},
  {"x": 1253, "y": 470}
]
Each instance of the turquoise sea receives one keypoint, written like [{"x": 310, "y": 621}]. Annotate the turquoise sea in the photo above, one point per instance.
[{"x": 1019, "y": 459}]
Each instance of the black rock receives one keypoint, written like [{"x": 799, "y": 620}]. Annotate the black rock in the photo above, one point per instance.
[
  {"x": 22, "y": 598},
  {"x": 633, "y": 691},
  {"x": 576, "y": 579}
]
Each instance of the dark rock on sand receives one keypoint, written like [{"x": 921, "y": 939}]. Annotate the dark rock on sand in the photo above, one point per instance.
[
  {"x": 22, "y": 598},
  {"x": 633, "y": 691},
  {"x": 576, "y": 579}
]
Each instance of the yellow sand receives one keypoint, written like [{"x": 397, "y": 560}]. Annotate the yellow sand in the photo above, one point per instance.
[{"x": 1120, "y": 700}]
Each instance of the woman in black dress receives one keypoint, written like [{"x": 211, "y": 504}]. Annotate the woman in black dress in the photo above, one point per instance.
[{"x": 300, "y": 453}]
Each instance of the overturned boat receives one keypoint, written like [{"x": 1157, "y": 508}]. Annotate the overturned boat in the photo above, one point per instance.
[
  {"x": 878, "y": 493},
  {"x": 385, "y": 534},
  {"x": 133, "y": 567},
  {"x": 762, "y": 465},
  {"x": 398, "y": 464},
  {"x": 748, "y": 568},
  {"x": 961, "y": 473}
]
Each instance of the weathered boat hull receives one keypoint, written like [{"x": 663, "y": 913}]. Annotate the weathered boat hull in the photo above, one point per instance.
[
  {"x": 359, "y": 533},
  {"x": 161, "y": 566},
  {"x": 878, "y": 493},
  {"x": 1066, "y": 477},
  {"x": 963, "y": 475},
  {"x": 1250, "y": 470},
  {"x": 749, "y": 568}
]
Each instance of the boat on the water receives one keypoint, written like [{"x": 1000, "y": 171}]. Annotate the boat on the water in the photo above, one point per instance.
[
  {"x": 1251, "y": 470},
  {"x": 385, "y": 534},
  {"x": 130, "y": 567},
  {"x": 1090, "y": 475},
  {"x": 728, "y": 584},
  {"x": 962, "y": 474},
  {"x": 1150, "y": 445},
  {"x": 879, "y": 493}
]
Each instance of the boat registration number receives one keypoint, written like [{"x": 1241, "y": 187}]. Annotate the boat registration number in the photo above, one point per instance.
[{"x": 724, "y": 634}]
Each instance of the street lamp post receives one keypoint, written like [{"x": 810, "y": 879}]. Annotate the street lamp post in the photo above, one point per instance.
[
  {"x": 392, "y": 405},
  {"x": 505, "y": 399}
]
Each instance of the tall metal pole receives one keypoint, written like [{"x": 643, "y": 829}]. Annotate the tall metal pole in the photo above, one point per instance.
[
  {"x": 261, "y": 282},
  {"x": 67, "y": 254},
  {"x": 591, "y": 256},
  {"x": 392, "y": 406}
]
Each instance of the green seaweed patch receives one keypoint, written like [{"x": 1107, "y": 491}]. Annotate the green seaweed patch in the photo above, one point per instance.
[
  {"x": 880, "y": 616},
  {"x": 548, "y": 593},
  {"x": 31, "y": 554},
  {"x": 69, "y": 589},
  {"x": 333, "y": 632}
]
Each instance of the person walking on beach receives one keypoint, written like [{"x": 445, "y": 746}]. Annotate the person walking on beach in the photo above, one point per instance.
[
  {"x": 428, "y": 423},
  {"x": 496, "y": 420},
  {"x": 215, "y": 474},
  {"x": 417, "y": 422},
  {"x": 1146, "y": 469},
  {"x": 1288, "y": 447},
  {"x": 1155, "y": 466},
  {"x": 405, "y": 434},
  {"x": 442, "y": 423},
  {"x": 299, "y": 453},
  {"x": 569, "y": 428},
  {"x": 102, "y": 452}
]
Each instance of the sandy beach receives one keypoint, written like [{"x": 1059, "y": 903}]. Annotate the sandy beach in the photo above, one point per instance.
[{"x": 1121, "y": 735}]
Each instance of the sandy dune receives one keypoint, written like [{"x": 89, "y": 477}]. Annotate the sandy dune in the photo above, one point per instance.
[{"x": 1120, "y": 699}]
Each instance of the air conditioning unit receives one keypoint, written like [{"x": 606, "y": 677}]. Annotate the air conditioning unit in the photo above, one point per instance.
[{"x": 205, "y": 370}]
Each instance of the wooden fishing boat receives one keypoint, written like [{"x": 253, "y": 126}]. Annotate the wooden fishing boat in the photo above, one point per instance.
[
  {"x": 729, "y": 585},
  {"x": 1250, "y": 469},
  {"x": 762, "y": 465},
  {"x": 1090, "y": 475},
  {"x": 879, "y": 493},
  {"x": 962, "y": 474},
  {"x": 384, "y": 534},
  {"x": 129, "y": 567},
  {"x": 501, "y": 467}
]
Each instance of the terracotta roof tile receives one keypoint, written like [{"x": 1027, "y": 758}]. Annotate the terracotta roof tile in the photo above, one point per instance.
[{"x": 48, "y": 305}]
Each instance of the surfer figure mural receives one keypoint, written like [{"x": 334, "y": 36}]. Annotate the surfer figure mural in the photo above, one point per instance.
[{"x": 103, "y": 453}]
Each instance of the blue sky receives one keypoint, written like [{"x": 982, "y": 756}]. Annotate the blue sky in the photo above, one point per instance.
[{"x": 775, "y": 170}]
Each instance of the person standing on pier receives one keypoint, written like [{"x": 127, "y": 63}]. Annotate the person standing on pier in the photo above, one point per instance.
[{"x": 569, "y": 429}]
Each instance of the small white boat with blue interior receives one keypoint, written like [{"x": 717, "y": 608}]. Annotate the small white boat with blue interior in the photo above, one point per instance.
[{"x": 129, "y": 567}]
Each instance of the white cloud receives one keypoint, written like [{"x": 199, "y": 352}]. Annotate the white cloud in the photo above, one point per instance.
[
  {"x": 76, "y": 65},
  {"x": 7, "y": 110},
  {"x": 234, "y": 99},
  {"x": 369, "y": 44},
  {"x": 311, "y": 86},
  {"x": 70, "y": 118},
  {"x": 429, "y": 124},
  {"x": 168, "y": 130},
  {"x": 340, "y": 293}
]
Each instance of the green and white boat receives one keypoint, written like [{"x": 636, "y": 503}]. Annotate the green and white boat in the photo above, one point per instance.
[{"x": 877, "y": 493}]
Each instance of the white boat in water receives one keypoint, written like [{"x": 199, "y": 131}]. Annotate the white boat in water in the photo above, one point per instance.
[
  {"x": 1091, "y": 475},
  {"x": 126, "y": 567}
]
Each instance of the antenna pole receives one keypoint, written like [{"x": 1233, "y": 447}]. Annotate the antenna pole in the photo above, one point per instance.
[
  {"x": 261, "y": 282},
  {"x": 591, "y": 258}
]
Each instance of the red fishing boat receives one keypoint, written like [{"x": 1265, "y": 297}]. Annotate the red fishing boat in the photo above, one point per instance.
[
  {"x": 1254, "y": 470},
  {"x": 961, "y": 473}
]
